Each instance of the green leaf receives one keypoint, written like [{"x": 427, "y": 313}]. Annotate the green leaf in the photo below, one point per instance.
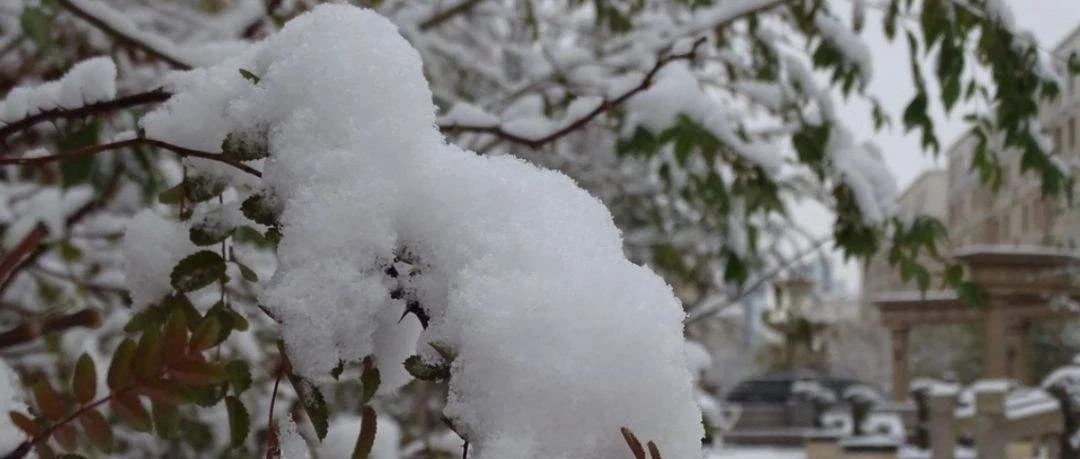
[
  {"x": 206, "y": 335},
  {"x": 197, "y": 271},
  {"x": 199, "y": 189},
  {"x": 131, "y": 410},
  {"x": 254, "y": 79},
  {"x": 425, "y": 371},
  {"x": 244, "y": 146},
  {"x": 211, "y": 228},
  {"x": 148, "y": 360},
  {"x": 172, "y": 195},
  {"x": 368, "y": 426},
  {"x": 97, "y": 429},
  {"x": 314, "y": 404},
  {"x": 166, "y": 419},
  {"x": 239, "y": 421},
  {"x": 77, "y": 170},
  {"x": 36, "y": 25},
  {"x": 120, "y": 372},
  {"x": 197, "y": 373},
  {"x": 238, "y": 372},
  {"x": 369, "y": 381},
  {"x": 261, "y": 208},
  {"x": 84, "y": 380}
]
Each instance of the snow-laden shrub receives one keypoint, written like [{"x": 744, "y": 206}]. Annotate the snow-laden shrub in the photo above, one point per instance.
[{"x": 552, "y": 340}]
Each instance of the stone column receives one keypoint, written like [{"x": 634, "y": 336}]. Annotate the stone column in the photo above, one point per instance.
[
  {"x": 1019, "y": 352},
  {"x": 994, "y": 345},
  {"x": 942, "y": 403},
  {"x": 899, "y": 363},
  {"x": 991, "y": 429}
]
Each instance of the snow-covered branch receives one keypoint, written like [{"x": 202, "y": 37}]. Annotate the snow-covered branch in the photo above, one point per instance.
[{"x": 575, "y": 124}]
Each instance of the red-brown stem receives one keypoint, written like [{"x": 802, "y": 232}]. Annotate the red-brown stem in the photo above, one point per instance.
[
  {"x": 24, "y": 447},
  {"x": 95, "y": 149},
  {"x": 271, "y": 433},
  {"x": 13, "y": 259}
]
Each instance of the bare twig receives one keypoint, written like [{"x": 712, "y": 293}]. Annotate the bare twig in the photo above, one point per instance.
[
  {"x": 149, "y": 97},
  {"x": 95, "y": 149},
  {"x": 442, "y": 16},
  {"x": 122, "y": 37},
  {"x": 15, "y": 258}
]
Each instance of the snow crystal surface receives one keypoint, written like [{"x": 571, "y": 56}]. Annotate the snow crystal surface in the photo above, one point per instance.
[
  {"x": 152, "y": 246},
  {"x": 557, "y": 339},
  {"x": 89, "y": 81}
]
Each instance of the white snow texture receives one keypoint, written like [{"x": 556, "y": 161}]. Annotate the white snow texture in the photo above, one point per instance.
[{"x": 559, "y": 340}]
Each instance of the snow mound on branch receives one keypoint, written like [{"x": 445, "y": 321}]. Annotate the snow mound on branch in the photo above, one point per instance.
[
  {"x": 89, "y": 81},
  {"x": 558, "y": 339},
  {"x": 152, "y": 246}
]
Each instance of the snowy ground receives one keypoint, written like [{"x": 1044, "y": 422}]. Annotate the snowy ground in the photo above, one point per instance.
[{"x": 738, "y": 452}]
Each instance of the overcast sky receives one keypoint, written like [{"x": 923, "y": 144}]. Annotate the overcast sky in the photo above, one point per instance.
[{"x": 1049, "y": 20}]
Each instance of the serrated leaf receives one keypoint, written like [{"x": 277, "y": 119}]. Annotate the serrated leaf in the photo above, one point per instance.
[
  {"x": 172, "y": 195},
  {"x": 238, "y": 373},
  {"x": 84, "y": 380},
  {"x": 47, "y": 400},
  {"x": 368, "y": 426},
  {"x": 132, "y": 412},
  {"x": 314, "y": 404},
  {"x": 97, "y": 430},
  {"x": 261, "y": 208},
  {"x": 176, "y": 335},
  {"x": 148, "y": 359},
  {"x": 197, "y": 270},
  {"x": 66, "y": 436},
  {"x": 199, "y": 189},
  {"x": 369, "y": 382},
  {"x": 206, "y": 334},
  {"x": 247, "y": 273},
  {"x": 424, "y": 371},
  {"x": 197, "y": 373},
  {"x": 163, "y": 391},
  {"x": 239, "y": 421},
  {"x": 24, "y": 423},
  {"x": 166, "y": 420},
  {"x": 245, "y": 146}
]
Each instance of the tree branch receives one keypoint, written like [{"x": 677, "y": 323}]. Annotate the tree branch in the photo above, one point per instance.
[
  {"x": 14, "y": 259},
  {"x": 149, "y": 97},
  {"x": 95, "y": 149},
  {"x": 32, "y": 329},
  {"x": 604, "y": 107},
  {"x": 121, "y": 36},
  {"x": 442, "y": 16}
]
